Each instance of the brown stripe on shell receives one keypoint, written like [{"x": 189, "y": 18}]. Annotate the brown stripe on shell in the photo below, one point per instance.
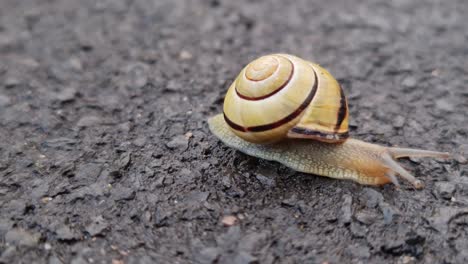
[
  {"x": 272, "y": 93},
  {"x": 234, "y": 125},
  {"x": 319, "y": 134},
  {"x": 280, "y": 122},
  {"x": 342, "y": 111}
]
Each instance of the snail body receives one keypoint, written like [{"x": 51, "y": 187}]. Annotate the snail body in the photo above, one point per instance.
[{"x": 292, "y": 111}]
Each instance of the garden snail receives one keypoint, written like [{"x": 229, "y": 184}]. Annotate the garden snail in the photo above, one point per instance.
[{"x": 289, "y": 110}]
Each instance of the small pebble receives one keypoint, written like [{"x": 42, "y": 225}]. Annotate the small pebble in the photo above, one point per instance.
[
  {"x": 137, "y": 75},
  {"x": 178, "y": 142},
  {"x": 444, "y": 105},
  {"x": 11, "y": 82},
  {"x": 4, "y": 100},
  {"x": 140, "y": 141},
  {"x": 346, "y": 209},
  {"x": 47, "y": 246},
  {"x": 21, "y": 237},
  {"x": 409, "y": 82},
  {"x": 459, "y": 158},
  {"x": 265, "y": 180},
  {"x": 66, "y": 95},
  {"x": 291, "y": 201},
  {"x": 444, "y": 190},
  {"x": 174, "y": 85},
  {"x": 185, "y": 55},
  {"x": 399, "y": 121},
  {"x": 229, "y": 220}
]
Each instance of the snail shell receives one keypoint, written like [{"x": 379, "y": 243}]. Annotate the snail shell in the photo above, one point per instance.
[{"x": 278, "y": 96}]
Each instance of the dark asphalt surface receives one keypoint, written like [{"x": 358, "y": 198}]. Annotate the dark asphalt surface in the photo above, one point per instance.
[{"x": 106, "y": 156}]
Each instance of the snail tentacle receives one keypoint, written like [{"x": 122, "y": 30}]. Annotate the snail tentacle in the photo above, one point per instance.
[
  {"x": 392, "y": 176},
  {"x": 409, "y": 152},
  {"x": 395, "y": 153},
  {"x": 389, "y": 162}
]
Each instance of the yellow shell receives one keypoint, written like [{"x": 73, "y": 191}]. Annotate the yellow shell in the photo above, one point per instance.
[{"x": 280, "y": 95}]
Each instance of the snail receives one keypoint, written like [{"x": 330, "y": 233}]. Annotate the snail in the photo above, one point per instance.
[{"x": 290, "y": 110}]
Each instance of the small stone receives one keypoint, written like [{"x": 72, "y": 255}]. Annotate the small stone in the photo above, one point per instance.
[
  {"x": 88, "y": 171},
  {"x": 365, "y": 217},
  {"x": 442, "y": 217},
  {"x": 159, "y": 182},
  {"x": 253, "y": 242},
  {"x": 65, "y": 233},
  {"x": 409, "y": 82},
  {"x": 11, "y": 82},
  {"x": 208, "y": 255},
  {"x": 186, "y": 176},
  {"x": 8, "y": 254},
  {"x": 21, "y": 237},
  {"x": 444, "y": 105},
  {"x": 460, "y": 159},
  {"x": 387, "y": 211},
  {"x": 444, "y": 190},
  {"x": 111, "y": 101},
  {"x": 174, "y": 85},
  {"x": 188, "y": 135},
  {"x": 140, "y": 141},
  {"x": 359, "y": 251},
  {"x": 244, "y": 257},
  {"x": 88, "y": 121},
  {"x": 97, "y": 226},
  {"x": 66, "y": 95},
  {"x": 46, "y": 199},
  {"x": 47, "y": 246},
  {"x": 4, "y": 100},
  {"x": 54, "y": 260},
  {"x": 60, "y": 142},
  {"x": 226, "y": 180},
  {"x": 185, "y": 55},
  {"x": 229, "y": 220},
  {"x": 197, "y": 197},
  {"x": 406, "y": 260},
  {"x": 357, "y": 230},
  {"x": 125, "y": 127},
  {"x": 178, "y": 142},
  {"x": 371, "y": 197},
  {"x": 124, "y": 160},
  {"x": 6, "y": 40},
  {"x": 78, "y": 260},
  {"x": 265, "y": 180},
  {"x": 399, "y": 121},
  {"x": 137, "y": 75},
  {"x": 149, "y": 56},
  {"x": 346, "y": 209},
  {"x": 75, "y": 63},
  {"x": 123, "y": 193},
  {"x": 291, "y": 201},
  {"x": 29, "y": 62}
]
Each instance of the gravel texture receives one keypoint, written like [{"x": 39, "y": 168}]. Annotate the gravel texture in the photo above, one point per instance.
[{"x": 106, "y": 156}]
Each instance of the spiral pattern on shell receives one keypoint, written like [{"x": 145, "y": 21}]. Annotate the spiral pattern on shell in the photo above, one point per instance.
[{"x": 280, "y": 95}]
